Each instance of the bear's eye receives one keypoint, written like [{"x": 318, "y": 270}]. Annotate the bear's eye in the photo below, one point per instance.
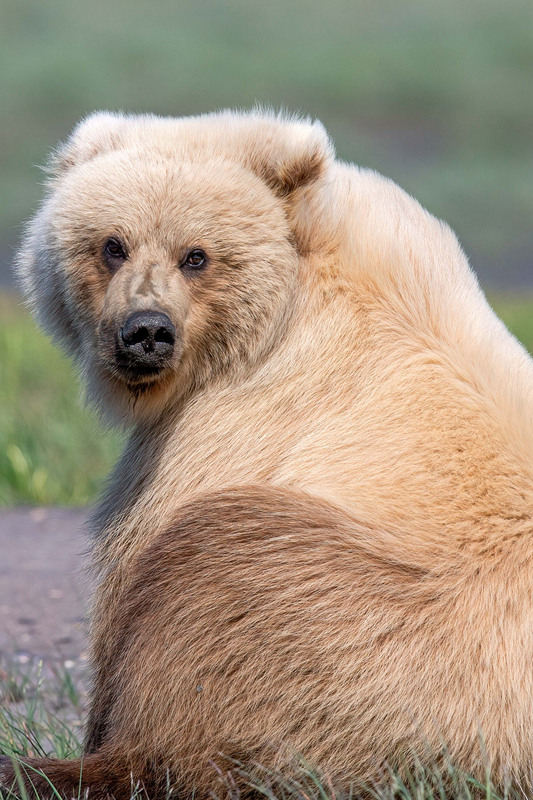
[
  {"x": 114, "y": 253},
  {"x": 196, "y": 259}
]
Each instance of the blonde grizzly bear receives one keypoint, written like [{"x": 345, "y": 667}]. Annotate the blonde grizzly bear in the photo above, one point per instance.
[{"x": 319, "y": 539}]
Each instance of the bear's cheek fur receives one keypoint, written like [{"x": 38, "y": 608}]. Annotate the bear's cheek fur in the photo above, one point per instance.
[{"x": 85, "y": 288}]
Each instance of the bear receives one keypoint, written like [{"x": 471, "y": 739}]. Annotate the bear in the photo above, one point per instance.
[{"x": 317, "y": 544}]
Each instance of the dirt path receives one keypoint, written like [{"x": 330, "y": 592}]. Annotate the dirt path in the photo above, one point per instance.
[{"x": 43, "y": 589}]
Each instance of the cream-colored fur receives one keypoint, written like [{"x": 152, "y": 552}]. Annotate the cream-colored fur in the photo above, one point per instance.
[{"x": 356, "y": 364}]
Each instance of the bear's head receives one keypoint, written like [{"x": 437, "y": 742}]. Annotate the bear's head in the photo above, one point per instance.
[{"x": 166, "y": 252}]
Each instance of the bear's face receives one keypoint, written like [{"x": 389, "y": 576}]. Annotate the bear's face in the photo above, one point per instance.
[
  {"x": 172, "y": 270},
  {"x": 161, "y": 272}
]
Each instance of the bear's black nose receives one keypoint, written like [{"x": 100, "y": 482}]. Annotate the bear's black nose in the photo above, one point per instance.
[{"x": 146, "y": 340}]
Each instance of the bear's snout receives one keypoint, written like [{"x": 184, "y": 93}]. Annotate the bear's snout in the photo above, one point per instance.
[{"x": 145, "y": 342}]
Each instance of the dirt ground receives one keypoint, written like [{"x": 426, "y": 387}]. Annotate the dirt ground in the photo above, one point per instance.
[{"x": 44, "y": 590}]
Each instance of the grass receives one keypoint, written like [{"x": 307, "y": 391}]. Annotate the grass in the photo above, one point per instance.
[
  {"x": 53, "y": 451},
  {"x": 41, "y": 709}
]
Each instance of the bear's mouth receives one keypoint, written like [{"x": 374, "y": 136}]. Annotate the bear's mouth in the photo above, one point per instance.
[{"x": 141, "y": 376}]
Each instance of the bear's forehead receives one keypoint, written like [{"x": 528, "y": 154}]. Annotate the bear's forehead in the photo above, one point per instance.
[
  {"x": 144, "y": 169},
  {"x": 135, "y": 191}
]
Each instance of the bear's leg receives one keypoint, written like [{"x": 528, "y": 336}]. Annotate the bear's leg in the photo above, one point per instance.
[
  {"x": 100, "y": 775},
  {"x": 96, "y": 727}
]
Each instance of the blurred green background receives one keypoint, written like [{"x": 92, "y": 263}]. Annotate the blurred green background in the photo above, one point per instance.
[{"x": 438, "y": 96}]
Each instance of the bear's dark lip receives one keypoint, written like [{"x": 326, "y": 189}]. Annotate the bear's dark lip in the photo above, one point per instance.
[
  {"x": 138, "y": 379},
  {"x": 132, "y": 371}
]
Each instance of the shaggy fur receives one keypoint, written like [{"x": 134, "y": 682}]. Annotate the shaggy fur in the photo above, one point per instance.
[{"x": 319, "y": 537}]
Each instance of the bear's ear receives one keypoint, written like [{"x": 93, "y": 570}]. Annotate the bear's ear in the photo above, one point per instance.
[
  {"x": 289, "y": 155},
  {"x": 98, "y": 133}
]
